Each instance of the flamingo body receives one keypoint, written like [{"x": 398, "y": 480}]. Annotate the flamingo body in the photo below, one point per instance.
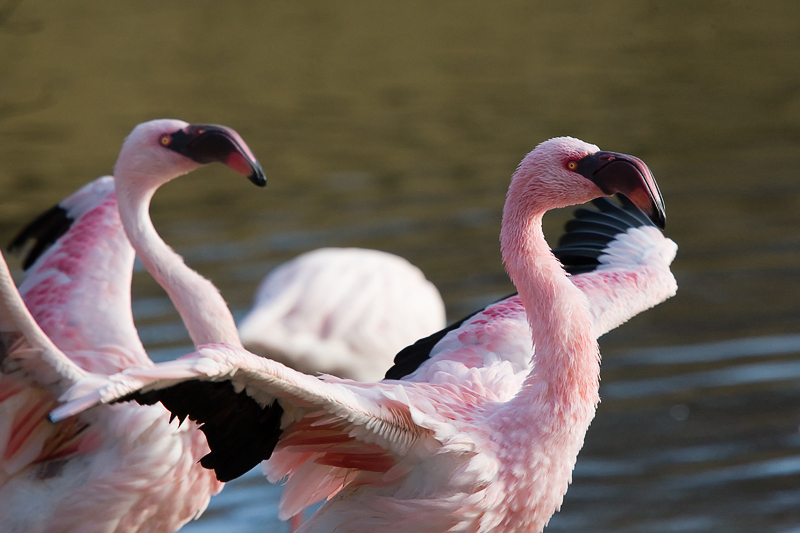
[
  {"x": 120, "y": 468},
  {"x": 341, "y": 311},
  {"x": 482, "y": 436}
]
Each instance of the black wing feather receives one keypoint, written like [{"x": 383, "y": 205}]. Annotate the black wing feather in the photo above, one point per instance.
[
  {"x": 598, "y": 217},
  {"x": 239, "y": 431},
  {"x": 588, "y": 235},
  {"x": 45, "y": 230}
]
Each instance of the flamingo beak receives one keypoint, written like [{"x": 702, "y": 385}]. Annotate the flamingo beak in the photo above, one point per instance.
[
  {"x": 626, "y": 175},
  {"x": 207, "y": 143}
]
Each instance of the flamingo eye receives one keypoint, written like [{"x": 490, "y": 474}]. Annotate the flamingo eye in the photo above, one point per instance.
[
  {"x": 572, "y": 165},
  {"x": 165, "y": 140}
]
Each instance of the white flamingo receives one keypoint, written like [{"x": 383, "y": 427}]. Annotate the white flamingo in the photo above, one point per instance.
[
  {"x": 121, "y": 468},
  {"x": 341, "y": 311},
  {"x": 482, "y": 436}
]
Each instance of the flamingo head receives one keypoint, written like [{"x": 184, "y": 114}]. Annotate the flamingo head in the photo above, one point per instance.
[
  {"x": 566, "y": 171},
  {"x": 164, "y": 149}
]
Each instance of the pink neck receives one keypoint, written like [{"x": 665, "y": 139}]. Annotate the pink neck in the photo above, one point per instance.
[
  {"x": 566, "y": 356},
  {"x": 203, "y": 310},
  {"x": 543, "y": 426}
]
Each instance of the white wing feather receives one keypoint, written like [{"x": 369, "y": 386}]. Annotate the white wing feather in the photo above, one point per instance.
[{"x": 633, "y": 276}]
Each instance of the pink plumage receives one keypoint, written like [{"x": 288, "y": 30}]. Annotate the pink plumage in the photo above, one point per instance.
[
  {"x": 484, "y": 434},
  {"x": 122, "y": 468}
]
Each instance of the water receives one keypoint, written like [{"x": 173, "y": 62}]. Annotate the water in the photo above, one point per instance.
[{"x": 397, "y": 126}]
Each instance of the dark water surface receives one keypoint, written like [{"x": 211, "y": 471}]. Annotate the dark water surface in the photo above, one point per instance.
[{"x": 397, "y": 126}]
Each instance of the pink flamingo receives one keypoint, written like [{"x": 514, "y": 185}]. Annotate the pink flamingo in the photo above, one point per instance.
[
  {"x": 341, "y": 311},
  {"x": 122, "y": 468},
  {"x": 483, "y": 436}
]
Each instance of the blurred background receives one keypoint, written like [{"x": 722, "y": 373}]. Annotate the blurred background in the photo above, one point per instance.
[{"x": 397, "y": 125}]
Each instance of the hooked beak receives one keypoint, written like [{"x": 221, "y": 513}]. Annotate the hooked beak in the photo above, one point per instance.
[
  {"x": 207, "y": 143},
  {"x": 626, "y": 175}
]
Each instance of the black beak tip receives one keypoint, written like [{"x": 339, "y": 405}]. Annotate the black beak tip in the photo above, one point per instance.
[
  {"x": 257, "y": 177},
  {"x": 660, "y": 219},
  {"x": 659, "y": 214}
]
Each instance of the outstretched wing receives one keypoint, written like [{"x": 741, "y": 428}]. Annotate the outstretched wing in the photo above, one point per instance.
[
  {"x": 243, "y": 429},
  {"x": 619, "y": 259},
  {"x": 78, "y": 276}
]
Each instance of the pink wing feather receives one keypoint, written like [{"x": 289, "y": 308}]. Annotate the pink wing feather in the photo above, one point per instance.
[{"x": 78, "y": 290}]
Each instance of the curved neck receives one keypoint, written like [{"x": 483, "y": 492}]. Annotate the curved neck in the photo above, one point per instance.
[
  {"x": 203, "y": 310},
  {"x": 566, "y": 355},
  {"x": 558, "y": 398}
]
